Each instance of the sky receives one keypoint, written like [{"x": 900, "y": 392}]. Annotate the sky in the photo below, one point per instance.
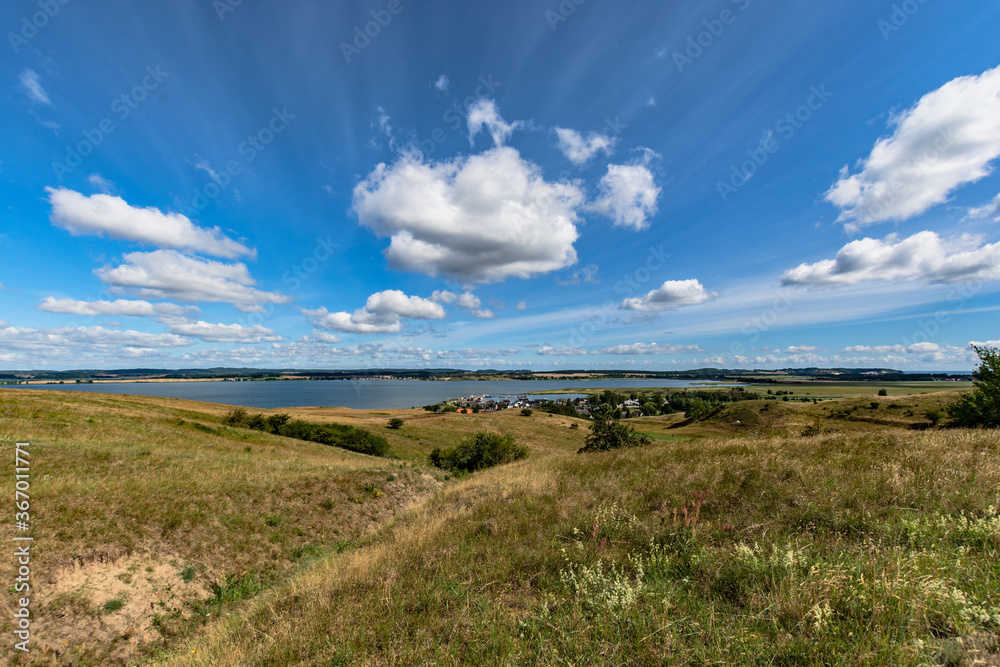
[{"x": 521, "y": 184}]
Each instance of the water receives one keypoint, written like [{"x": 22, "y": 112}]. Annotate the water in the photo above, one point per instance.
[{"x": 358, "y": 394}]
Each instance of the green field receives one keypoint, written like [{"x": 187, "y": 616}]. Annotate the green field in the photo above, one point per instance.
[{"x": 851, "y": 531}]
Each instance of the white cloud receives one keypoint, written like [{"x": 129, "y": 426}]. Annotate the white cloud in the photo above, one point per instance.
[
  {"x": 801, "y": 349},
  {"x": 484, "y": 218},
  {"x": 442, "y": 83},
  {"x": 395, "y": 302},
  {"x": 990, "y": 211},
  {"x": 628, "y": 194},
  {"x": 117, "y": 307},
  {"x": 318, "y": 336},
  {"x": 947, "y": 139},
  {"x": 100, "y": 182},
  {"x": 382, "y": 314},
  {"x": 522, "y": 305},
  {"x": 549, "y": 351},
  {"x": 168, "y": 274},
  {"x": 223, "y": 333},
  {"x": 32, "y": 85},
  {"x": 443, "y": 296},
  {"x": 473, "y": 304},
  {"x": 483, "y": 114},
  {"x": 671, "y": 294},
  {"x": 580, "y": 150},
  {"x": 587, "y": 274},
  {"x": 923, "y": 256},
  {"x": 648, "y": 348},
  {"x": 38, "y": 340},
  {"x": 106, "y": 214}
]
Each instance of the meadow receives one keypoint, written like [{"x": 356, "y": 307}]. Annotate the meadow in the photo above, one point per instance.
[{"x": 852, "y": 531}]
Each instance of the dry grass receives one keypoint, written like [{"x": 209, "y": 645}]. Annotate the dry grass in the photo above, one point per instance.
[
  {"x": 122, "y": 482},
  {"x": 866, "y": 542}
]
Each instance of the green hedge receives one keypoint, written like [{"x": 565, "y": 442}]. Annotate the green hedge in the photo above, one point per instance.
[{"x": 337, "y": 435}]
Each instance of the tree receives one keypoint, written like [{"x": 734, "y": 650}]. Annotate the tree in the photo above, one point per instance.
[
  {"x": 883, "y": 392},
  {"x": 650, "y": 408},
  {"x": 607, "y": 432},
  {"x": 981, "y": 406},
  {"x": 395, "y": 423},
  {"x": 525, "y": 412}
]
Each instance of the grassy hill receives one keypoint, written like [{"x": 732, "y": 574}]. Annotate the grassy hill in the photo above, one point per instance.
[{"x": 768, "y": 533}]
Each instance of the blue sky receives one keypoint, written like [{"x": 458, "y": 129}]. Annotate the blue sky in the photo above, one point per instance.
[{"x": 575, "y": 184}]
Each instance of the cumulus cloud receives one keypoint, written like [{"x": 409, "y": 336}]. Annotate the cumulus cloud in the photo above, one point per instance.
[
  {"x": 223, "y": 333},
  {"x": 923, "y": 256},
  {"x": 483, "y": 114},
  {"x": 628, "y": 194},
  {"x": 103, "y": 214},
  {"x": 669, "y": 295},
  {"x": 32, "y": 84},
  {"x": 382, "y": 314},
  {"x": 127, "y": 307},
  {"x": 947, "y": 139},
  {"x": 442, "y": 83},
  {"x": 483, "y": 218},
  {"x": 579, "y": 149},
  {"x": 168, "y": 274},
  {"x": 648, "y": 348},
  {"x": 473, "y": 304}
]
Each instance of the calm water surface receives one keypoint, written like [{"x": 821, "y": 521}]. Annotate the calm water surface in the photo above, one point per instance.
[{"x": 358, "y": 394}]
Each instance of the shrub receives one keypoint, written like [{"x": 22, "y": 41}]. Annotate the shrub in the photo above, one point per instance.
[
  {"x": 395, "y": 423},
  {"x": 235, "y": 417},
  {"x": 981, "y": 406},
  {"x": 883, "y": 392},
  {"x": 337, "y": 435},
  {"x": 934, "y": 415},
  {"x": 483, "y": 450},
  {"x": 606, "y": 432},
  {"x": 526, "y": 412}
]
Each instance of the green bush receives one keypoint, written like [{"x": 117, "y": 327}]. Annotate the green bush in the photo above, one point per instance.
[
  {"x": 981, "y": 406},
  {"x": 525, "y": 412},
  {"x": 337, "y": 435},
  {"x": 395, "y": 423},
  {"x": 606, "y": 433},
  {"x": 483, "y": 450}
]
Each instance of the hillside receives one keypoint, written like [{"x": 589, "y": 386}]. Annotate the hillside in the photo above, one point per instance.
[{"x": 767, "y": 533}]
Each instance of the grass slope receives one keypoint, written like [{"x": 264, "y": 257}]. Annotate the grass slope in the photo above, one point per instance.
[
  {"x": 873, "y": 540},
  {"x": 148, "y": 514},
  {"x": 874, "y": 545}
]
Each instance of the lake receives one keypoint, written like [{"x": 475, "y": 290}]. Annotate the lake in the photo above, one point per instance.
[{"x": 358, "y": 394}]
